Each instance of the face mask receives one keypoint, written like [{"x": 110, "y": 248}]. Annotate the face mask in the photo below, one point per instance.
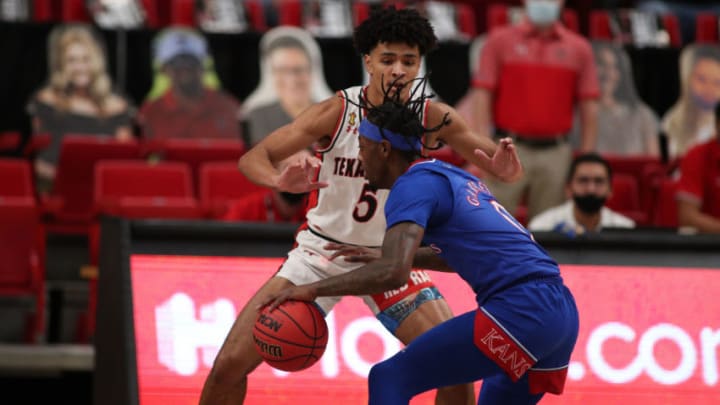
[
  {"x": 590, "y": 203},
  {"x": 702, "y": 103},
  {"x": 292, "y": 198},
  {"x": 542, "y": 12}
]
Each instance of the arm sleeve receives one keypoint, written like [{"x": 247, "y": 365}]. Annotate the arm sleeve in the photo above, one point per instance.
[{"x": 423, "y": 197}]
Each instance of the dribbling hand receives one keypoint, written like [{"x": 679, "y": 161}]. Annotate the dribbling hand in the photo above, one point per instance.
[
  {"x": 298, "y": 177},
  {"x": 297, "y": 293}
]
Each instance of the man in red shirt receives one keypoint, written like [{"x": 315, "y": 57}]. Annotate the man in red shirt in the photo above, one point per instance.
[
  {"x": 530, "y": 78},
  {"x": 698, "y": 190},
  {"x": 189, "y": 109}
]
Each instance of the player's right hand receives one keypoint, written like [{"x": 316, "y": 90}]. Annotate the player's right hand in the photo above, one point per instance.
[
  {"x": 298, "y": 176},
  {"x": 351, "y": 253}
]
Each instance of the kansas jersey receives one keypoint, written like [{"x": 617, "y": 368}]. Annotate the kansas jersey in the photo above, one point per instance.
[
  {"x": 464, "y": 224},
  {"x": 347, "y": 210}
]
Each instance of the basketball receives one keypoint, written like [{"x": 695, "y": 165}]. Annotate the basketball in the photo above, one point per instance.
[{"x": 292, "y": 337}]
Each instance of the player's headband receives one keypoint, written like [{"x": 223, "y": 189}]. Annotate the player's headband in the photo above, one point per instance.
[{"x": 374, "y": 133}]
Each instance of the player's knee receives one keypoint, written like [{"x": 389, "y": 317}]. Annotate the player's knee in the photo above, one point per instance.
[{"x": 232, "y": 368}]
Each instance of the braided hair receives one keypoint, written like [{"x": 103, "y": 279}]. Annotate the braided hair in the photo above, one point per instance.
[{"x": 403, "y": 117}]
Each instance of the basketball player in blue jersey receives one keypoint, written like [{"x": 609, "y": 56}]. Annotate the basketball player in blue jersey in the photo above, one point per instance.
[
  {"x": 520, "y": 338},
  {"x": 343, "y": 207}
]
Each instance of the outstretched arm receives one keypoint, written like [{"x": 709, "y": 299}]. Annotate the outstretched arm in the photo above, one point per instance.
[
  {"x": 501, "y": 160},
  {"x": 390, "y": 271},
  {"x": 259, "y": 163}
]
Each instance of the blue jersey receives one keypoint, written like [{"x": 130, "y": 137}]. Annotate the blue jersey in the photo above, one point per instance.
[{"x": 464, "y": 224}]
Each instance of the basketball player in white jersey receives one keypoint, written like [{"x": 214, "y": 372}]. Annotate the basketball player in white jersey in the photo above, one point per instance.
[{"x": 343, "y": 208}]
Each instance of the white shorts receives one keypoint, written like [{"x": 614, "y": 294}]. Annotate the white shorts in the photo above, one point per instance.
[{"x": 308, "y": 262}]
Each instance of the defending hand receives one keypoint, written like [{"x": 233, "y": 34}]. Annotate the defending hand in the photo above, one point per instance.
[
  {"x": 505, "y": 162},
  {"x": 298, "y": 176}
]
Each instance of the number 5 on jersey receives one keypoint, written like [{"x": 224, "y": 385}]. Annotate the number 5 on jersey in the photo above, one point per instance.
[{"x": 366, "y": 205}]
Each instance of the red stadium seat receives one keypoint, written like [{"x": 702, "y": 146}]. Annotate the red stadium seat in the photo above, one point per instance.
[
  {"x": 570, "y": 20},
  {"x": 22, "y": 242},
  {"x": 16, "y": 178},
  {"x": 141, "y": 190},
  {"x": 291, "y": 13},
  {"x": 37, "y": 142},
  {"x": 43, "y": 10},
  {"x": 626, "y": 198},
  {"x": 361, "y": 11},
  {"x": 600, "y": 26},
  {"x": 10, "y": 141},
  {"x": 672, "y": 25},
  {"x": 646, "y": 170},
  {"x": 195, "y": 152},
  {"x": 74, "y": 11},
  {"x": 256, "y": 15},
  {"x": 706, "y": 28},
  {"x": 152, "y": 15},
  {"x": 466, "y": 20},
  {"x": 70, "y": 204},
  {"x": 221, "y": 183},
  {"x": 665, "y": 214},
  {"x": 182, "y": 12}
]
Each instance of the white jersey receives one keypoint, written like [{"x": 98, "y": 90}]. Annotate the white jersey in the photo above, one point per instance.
[{"x": 348, "y": 210}]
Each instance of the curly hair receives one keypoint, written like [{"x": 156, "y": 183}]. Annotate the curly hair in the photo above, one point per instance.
[
  {"x": 391, "y": 25},
  {"x": 403, "y": 117}
]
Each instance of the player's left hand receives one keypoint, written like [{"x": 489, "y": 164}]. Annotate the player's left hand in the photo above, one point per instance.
[
  {"x": 297, "y": 293},
  {"x": 505, "y": 162}
]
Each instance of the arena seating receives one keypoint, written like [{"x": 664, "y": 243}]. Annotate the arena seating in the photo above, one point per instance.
[
  {"x": 220, "y": 183},
  {"x": 22, "y": 242}
]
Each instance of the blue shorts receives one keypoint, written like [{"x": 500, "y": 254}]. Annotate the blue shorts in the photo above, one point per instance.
[{"x": 519, "y": 342}]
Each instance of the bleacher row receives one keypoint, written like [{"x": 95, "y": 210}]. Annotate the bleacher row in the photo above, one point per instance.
[{"x": 160, "y": 13}]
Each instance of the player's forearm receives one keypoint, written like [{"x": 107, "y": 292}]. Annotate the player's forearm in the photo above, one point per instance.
[
  {"x": 425, "y": 258},
  {"x": 258, "y": 168},
  {"x": 373, "y": 278}
]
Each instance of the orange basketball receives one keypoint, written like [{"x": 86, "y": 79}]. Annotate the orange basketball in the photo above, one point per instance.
[{"x": 292, "y": 337}]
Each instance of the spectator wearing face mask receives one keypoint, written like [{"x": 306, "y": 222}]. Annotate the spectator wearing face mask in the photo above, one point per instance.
[
  {"x": 531, "y": 78},
  {"x": 588, "y": 187}
]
